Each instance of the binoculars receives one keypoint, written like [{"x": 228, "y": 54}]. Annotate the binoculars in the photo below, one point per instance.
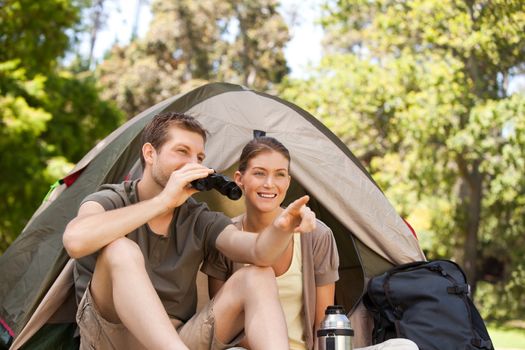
[{"x": 221, "y": 183}]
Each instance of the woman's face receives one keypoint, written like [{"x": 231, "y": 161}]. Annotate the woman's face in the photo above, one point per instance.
[{"x": 265, "y": 181}]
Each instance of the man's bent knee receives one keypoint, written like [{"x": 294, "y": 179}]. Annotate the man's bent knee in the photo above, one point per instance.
[
  {"x": 114, "y": 259},
  {"x": 122, "y": 252}
]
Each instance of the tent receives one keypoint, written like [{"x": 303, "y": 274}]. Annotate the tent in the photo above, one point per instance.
[{"x": 36, "y": 294}]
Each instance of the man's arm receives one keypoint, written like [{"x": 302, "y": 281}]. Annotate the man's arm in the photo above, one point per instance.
[
  {"x": 263, "y": 249},
  {"x": 94, "y": 228}
]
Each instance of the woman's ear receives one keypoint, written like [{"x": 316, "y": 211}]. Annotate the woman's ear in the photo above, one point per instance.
[
  {"x": 289, "y": 182},
  {"x": 238, "y": 179}
]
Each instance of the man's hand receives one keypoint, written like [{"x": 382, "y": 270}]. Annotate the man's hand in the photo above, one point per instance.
[
  {"x": 178, "y": 187},
  {"x": 297, "y": 217}
]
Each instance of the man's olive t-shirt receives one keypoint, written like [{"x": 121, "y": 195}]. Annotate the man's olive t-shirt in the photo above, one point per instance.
[{"x": 172, "y": 262}]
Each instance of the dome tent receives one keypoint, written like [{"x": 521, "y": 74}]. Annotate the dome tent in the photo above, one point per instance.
[{"x": 36, "y": 284}]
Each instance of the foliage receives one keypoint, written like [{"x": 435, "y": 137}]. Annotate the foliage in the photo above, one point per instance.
[
  {"x": 417, "y": 89},
  {"x": 190, "y": 42},
  {"x": 48, "y": 123},
  {"x": 49, "y": 118},
  {"x": 22, "y": 124},
  {"x": 80, "y": 117},
  {"x": 27, "y": 31}
]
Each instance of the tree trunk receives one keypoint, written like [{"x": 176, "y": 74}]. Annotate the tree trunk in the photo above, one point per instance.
[
  {"x": 97, "y": 14},
  {"x": 248, "y": 72},
  {"x": 471, "y": 206},
  {"x": 196, "y": 56},
  {"x": 136, "y": 21}
]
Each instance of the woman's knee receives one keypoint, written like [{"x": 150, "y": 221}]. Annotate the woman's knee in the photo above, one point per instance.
[{"x": 257, "y": 278}]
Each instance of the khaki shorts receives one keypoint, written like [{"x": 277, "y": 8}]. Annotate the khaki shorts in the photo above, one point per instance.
[{"x": 98, "y": 333}]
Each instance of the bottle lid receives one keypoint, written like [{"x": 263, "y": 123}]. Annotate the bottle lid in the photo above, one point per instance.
[
  {"x": 335, "y": 309},
  {"x": 335, "y": 318}
]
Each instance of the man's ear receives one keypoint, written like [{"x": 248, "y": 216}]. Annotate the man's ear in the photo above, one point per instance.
[{"x": 148, "y": 151}]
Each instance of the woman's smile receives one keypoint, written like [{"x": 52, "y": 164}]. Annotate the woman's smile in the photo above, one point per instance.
[{"x": 266, "y": 195}]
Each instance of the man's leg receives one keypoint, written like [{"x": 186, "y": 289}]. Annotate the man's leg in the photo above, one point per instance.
[
  {"x": 249, "y": 300},
  {"x": 123, "y": 293}
]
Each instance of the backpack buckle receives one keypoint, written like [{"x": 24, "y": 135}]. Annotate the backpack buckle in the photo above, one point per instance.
[
  {"x": 398, "y": 312},
  {"x": 459, "y": 289},
  {"x": 438, "y": 269}
]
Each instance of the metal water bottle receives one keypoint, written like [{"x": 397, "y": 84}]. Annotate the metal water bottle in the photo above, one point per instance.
[{"x": 335, "y": 332}]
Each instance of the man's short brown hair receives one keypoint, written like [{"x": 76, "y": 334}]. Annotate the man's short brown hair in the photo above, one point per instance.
[{"x": 156, "y": 132}]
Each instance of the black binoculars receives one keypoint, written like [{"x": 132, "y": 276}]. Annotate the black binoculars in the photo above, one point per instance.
[{"x": 221, "y": 183}]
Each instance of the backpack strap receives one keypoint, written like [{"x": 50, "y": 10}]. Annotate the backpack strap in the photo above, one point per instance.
[
  {"x": 383, "y": 328},
  {"x": 482, "y": 344},
  {"x": 398, "y": 310},
  {"x": 482, "y": 338}
]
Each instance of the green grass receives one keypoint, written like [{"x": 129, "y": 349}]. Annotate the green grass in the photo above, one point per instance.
[{"x": 507, "y": 338}]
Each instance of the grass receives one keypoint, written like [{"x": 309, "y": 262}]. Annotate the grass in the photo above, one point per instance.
[{"x": 507, "y": 338}]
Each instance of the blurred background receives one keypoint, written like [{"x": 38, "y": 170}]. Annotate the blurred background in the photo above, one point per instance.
[{"x": 428, "y": 94}]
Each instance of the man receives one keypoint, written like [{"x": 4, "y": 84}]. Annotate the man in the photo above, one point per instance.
[{"x": 138, "y": 247}]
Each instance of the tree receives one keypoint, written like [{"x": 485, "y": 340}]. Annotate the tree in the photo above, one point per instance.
[
  {"x": 190, "y": 42},
  {"x": 97, "y": 18},
  {"x": 49, "y": 117},
  {"x": 27, "y": 31},
  {"x": 22, "y": 124},
  {"x": 418, "y": 89}
]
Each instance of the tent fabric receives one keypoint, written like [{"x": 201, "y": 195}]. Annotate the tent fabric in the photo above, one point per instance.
[
  {"x": 53, "y": 299},
  {"x": 319, "y": 165},
  {"x": 31, "y": 264},
  {"x": 370, "y": 235}
]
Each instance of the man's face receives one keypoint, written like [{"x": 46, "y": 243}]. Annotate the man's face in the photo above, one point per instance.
[{"x": 182, "y": 147}]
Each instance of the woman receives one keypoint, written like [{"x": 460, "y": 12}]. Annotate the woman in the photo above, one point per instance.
[{"x": 307, "y": 270}]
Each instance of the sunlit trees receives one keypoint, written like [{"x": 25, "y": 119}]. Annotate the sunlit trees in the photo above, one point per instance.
[
  {"x": 419, "y": 90},
  {"x": 189, "y": 42},
  {"x": 49, "y": 117}
]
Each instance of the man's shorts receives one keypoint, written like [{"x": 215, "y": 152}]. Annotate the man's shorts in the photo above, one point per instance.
[{"x": 98, "y": 333}]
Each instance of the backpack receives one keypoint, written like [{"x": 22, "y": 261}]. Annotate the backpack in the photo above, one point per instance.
[{"x": 428, "y": 303}]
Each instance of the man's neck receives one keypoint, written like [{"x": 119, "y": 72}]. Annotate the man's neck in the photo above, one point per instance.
[{"x": 147, "y": 188}]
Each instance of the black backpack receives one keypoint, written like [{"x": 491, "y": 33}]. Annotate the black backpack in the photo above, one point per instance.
[{"x": 428, "y": 303}]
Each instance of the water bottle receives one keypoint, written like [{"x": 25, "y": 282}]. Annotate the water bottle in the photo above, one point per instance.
[{"x": 335, "y": 332}]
